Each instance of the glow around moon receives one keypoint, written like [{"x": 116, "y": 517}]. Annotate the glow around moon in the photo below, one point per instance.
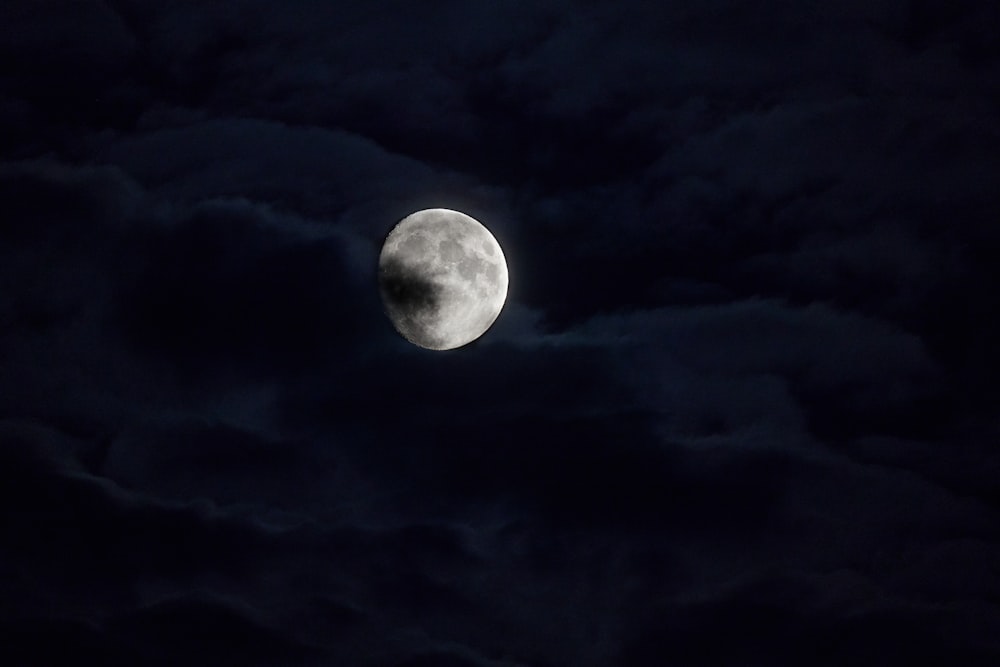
[{"x": 442, "y": 277}]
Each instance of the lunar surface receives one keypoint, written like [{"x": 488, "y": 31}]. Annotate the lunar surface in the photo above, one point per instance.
[{"x": 442, "y": 277}]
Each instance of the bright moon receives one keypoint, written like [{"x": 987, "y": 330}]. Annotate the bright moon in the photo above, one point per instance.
[{"x": 443, "y": 278}]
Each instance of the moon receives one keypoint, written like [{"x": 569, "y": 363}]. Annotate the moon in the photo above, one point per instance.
[{"x": 442, "y": 277}]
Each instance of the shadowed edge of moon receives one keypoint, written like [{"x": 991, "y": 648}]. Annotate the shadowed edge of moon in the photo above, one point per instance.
[{"x": 409, "y": 295}]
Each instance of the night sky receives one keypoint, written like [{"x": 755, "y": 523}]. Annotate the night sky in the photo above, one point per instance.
[{"x": 740, "y": 408}]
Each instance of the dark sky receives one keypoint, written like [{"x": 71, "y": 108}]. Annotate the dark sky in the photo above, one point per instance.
[{"x": 739, "y": 410}]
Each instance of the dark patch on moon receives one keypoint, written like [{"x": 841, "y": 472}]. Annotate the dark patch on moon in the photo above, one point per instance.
[
  {"x": 408, "y": 296},
  {"x": 406, "y": 287}
]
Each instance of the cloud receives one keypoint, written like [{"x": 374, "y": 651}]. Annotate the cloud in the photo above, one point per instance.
[
  {"x": 314, "y": 170},
  {"x": 226, "y": 465},
  {"x": 206, "y": 632},
  {"x": 66, "y": 237},
  {"x": 768, "y": 370},
  {"x": 222, "y": 290},
  {"x": 777, "y": 621},
  {"x": 107, "y": 285},
  {"x": 118, "y": 539}
]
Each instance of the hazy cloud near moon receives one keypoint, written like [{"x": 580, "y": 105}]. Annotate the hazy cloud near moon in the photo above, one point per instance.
[{"x": 744, "y": 385}]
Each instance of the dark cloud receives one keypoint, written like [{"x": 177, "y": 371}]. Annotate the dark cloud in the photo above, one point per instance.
[
  {"x": 197, "y": 631},
  {"x": 219, "y": 288},
  {"x": 224, "y": 464},
  {"x": 760, "y": 627},
  {"x": 321, "y": 171}
]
